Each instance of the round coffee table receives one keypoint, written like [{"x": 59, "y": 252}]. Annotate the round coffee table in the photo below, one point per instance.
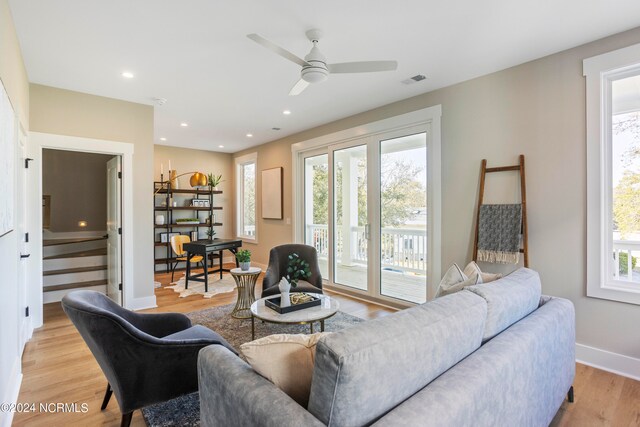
[{"x": 319, "y": 313}]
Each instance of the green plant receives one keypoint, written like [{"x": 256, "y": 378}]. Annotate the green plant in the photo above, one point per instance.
[
  {"x": 187, "y": 220},
  {"x": 623, "y": 262},
  {"x": 214, "y": 180},
  {"x": 243, "y": 255},
  {"x": 297, "y": 269},
  {"x": 210, "y": 233}
]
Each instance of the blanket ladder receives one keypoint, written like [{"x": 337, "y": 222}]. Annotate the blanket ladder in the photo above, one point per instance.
[{"x": 523, "y": 192}]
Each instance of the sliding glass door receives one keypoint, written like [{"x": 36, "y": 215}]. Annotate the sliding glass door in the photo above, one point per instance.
[
  {"x": 350, "y": 219},
  {"x": 365, "y": 211},
  {"x": 403, "y": 217}
]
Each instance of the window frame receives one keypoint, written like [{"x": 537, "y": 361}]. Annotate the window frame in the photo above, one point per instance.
[
  {"x": 600, "y": 71},
  {"x": 240, "y": 163}
]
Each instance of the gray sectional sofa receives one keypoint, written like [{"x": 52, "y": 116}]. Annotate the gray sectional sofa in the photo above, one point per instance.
[{"x": 495, "y": 354}]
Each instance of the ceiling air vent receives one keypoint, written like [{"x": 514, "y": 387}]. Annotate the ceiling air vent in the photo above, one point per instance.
[{"x": 414, "y": 79}]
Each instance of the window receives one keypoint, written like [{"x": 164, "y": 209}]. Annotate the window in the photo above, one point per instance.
[
  {"x": 246, "y": 196},
  {"x": 613, "y": 175}
]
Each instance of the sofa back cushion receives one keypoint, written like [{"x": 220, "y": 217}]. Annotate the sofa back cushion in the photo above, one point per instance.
[
  {"x": 509, "y": 299},
  {"x": 362, "y": 372}
]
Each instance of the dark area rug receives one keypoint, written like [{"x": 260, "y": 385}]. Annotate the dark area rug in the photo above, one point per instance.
[{"x": 185, "y": 410}]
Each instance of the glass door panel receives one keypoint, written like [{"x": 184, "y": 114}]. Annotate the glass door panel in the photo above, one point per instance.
[
  {"x": 316, "y": 208},
  {"x": 403, "y": 218},
  {"x": 350, "y": 216}
]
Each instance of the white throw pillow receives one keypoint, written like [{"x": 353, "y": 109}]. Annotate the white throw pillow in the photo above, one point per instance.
[
  {"x": 286, "y": 360},
  {"x": 472, "y": 270},
  {"x": 450, "y": 288}
]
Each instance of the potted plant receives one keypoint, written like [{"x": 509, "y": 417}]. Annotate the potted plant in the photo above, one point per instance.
[
  {"x": 244, "y": 259},
  {"x": 297, "y": 269},
  {"x": 214, "y": 181},
  {"x": 210, "y": 233}
]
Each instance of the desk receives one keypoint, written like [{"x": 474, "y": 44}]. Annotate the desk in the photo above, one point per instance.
[{"x": 204, "y": 248}]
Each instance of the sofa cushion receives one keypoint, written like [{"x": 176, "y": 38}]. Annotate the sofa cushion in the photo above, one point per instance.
[
  {"x": 364, "y": 371},
  {"x": 286, "y": 360},
  {"x": 509, "y": 299}
]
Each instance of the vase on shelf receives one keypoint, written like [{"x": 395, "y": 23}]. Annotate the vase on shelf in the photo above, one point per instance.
[
  {"x": 173, "y": 178},
  {"x": 159, "y": 219}
]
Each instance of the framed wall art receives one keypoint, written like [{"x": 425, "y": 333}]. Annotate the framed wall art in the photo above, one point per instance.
[{"x": 272, "y": 193}]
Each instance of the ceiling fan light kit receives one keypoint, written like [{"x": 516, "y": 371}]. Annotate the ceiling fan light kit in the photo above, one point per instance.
[{"x": 314, "y": 65}]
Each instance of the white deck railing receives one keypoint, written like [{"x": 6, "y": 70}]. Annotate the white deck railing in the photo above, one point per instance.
[
  {"x": 630, "y": 247},
  {"x": 400, "y": 248}
]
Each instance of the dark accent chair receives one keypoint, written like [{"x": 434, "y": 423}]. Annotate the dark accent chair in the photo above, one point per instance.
[
  {"x": 278, "y": 259},
  {"x": 147, "y": 358}
]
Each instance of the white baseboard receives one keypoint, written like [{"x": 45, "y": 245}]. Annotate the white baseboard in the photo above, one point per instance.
[
  {"x": 13, "y": 390},
  {"x": 142, "y": 303},
  {"x": 608, "y": 361}
]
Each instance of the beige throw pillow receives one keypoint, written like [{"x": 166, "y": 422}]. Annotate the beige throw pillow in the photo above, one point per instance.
[{"x": 286, "y": 360}]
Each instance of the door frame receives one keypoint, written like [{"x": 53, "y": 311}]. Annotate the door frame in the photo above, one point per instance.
[
  {"x": 39, "y": 141},
  {"x": 429, "y": 118}
]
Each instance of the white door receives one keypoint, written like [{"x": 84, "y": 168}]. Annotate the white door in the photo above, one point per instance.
[
  {"x": 23, "y": 238},
  {"x": 114, "y": 241}
]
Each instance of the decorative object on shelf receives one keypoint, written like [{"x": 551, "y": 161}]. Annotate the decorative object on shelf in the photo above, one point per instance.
[
  {"x": 297, "y": 269},
  {"x": 172, "y": 178},
  {"x": 194, "y": 236},
  {"x": 214, "y": 181},
  {"x": 166, "y": 237},
  {"x": 272, "y": 193},
  {"x": 198, "y": 179},
  {"x": 244, "y": 259},
  {"x": 188, "y": 221},
  {"x": 284, "y": 287},
  {"x": 159, "y": 219}
]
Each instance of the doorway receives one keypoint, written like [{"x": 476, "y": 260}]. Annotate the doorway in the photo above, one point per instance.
[
  {"x": 81, "y": 219},
  {"x": 38, "y": 142}
]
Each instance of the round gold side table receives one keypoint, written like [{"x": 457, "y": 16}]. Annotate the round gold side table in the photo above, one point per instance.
[{"x": 246, "y": 282}]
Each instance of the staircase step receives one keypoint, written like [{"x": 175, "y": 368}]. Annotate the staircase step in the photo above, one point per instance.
[
  {"x": 54, "y": 242},
  {"x": 74, "y": 285},
  {"x": 74, "y": 270},
  {"x": 93, "y": 252}
]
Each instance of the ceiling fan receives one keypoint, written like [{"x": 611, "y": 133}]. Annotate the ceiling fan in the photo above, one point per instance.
[{"x": 314, "y": 66}]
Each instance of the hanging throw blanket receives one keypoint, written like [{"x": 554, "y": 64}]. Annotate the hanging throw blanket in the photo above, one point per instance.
[{"x": 499, "y": 233}]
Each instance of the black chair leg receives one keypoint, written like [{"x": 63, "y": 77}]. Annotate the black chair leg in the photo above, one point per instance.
[
  {"x": 107, "y": 396},
  {"x": 126, "y": 419},
  {"x": 570, "y": 395},
  {"x": 173, "y": 270}
]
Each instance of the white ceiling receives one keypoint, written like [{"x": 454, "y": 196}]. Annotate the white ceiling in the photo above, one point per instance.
[{"x": 195, "y": 53}]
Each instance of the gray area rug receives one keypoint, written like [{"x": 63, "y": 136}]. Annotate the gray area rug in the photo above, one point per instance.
[{"x": 185, "y": 410}]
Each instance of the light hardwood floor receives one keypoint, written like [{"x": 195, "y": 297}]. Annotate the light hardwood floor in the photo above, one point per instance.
[{"x": 59, "y": 368}]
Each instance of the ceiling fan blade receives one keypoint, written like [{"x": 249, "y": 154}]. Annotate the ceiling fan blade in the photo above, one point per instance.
[
  {"x": 362, "y": 67},
  {"x": 277, "y": 49},
  {"x": 298, "y": 87}
]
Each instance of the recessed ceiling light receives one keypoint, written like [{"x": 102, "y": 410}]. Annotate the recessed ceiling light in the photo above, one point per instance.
[
  {"x": 163, "y": 139},
  {"x": 249, "y": 135},
  {"x": 127, "y": 74},
  {"x": 286, "y": 112},
  {"x": 220, "y": 146},
  {"x": 184, "y": 124}
]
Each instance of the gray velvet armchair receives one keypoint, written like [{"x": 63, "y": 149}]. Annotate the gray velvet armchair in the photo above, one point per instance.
[
  {"x": 278, "y": 259},
  {"x": 146, "y": 358}
]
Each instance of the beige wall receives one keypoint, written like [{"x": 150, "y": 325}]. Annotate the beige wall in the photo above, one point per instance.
[
  {"x": 75, "y": 199},
  {"x": 188, "y": 160},
  {"x": 536, "y": 109},
  {"x": 64, "y": 112},
  {"x": 14, "y": 79}
]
